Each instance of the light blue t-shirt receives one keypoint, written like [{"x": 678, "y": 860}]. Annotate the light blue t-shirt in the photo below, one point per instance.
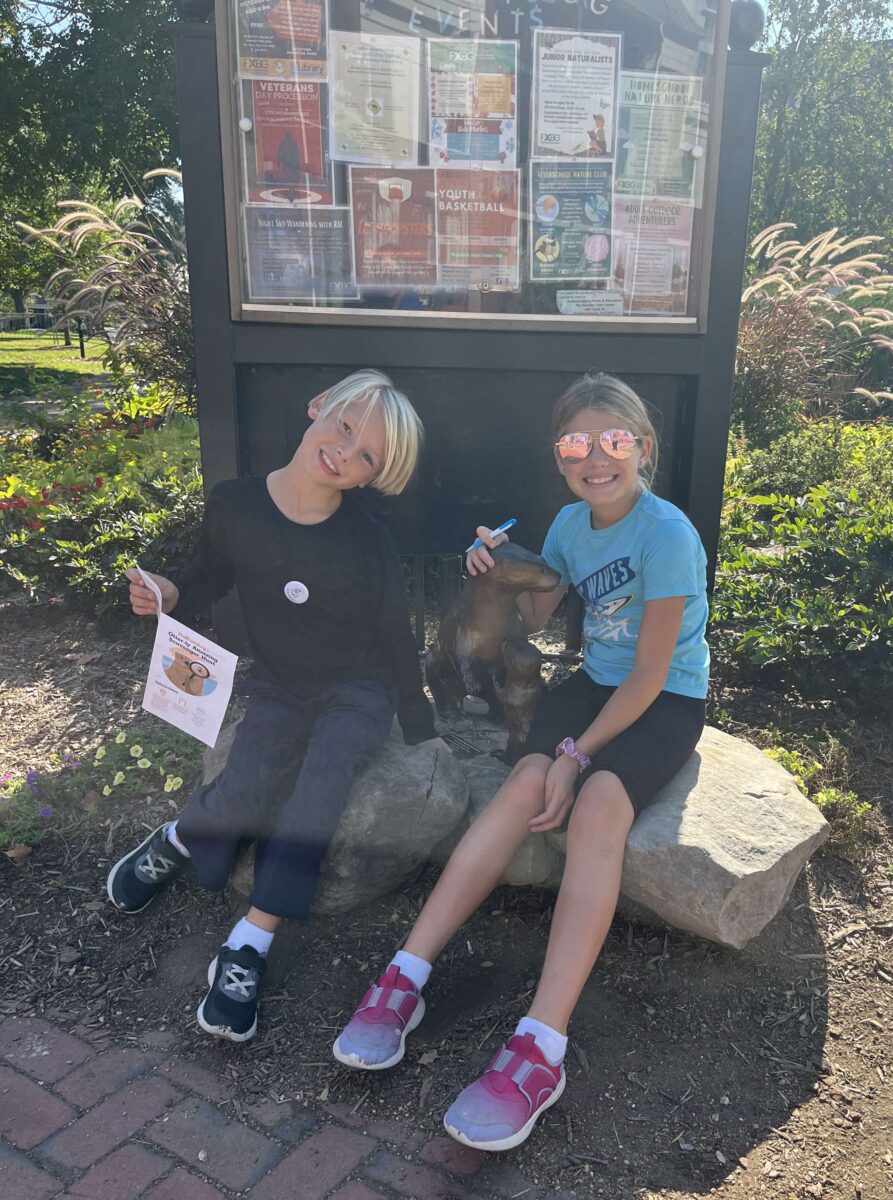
[{"x": 652, "y": 553}]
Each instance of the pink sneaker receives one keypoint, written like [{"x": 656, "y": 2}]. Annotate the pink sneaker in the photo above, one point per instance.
[
  {"x": 375, "y": 1036},
  {"x": 499, "y": 1110}
]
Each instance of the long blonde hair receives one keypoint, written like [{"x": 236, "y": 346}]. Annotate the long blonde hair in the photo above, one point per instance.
[{"x": 601, "y": 392}]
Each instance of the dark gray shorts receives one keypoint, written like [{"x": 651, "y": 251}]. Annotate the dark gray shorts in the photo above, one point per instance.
[{"x": 644, "y": 757}]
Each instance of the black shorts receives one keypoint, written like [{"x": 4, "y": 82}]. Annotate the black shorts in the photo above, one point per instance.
[{"x": 644, "y": 757}]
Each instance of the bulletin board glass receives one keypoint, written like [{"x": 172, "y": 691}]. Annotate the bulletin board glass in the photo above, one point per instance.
[{"x": 493, "y": 159}]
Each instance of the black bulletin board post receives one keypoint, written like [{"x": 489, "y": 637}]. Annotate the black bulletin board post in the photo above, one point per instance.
[{"x": 254, "y": 377}]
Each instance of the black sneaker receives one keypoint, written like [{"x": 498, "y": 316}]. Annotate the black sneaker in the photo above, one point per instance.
[
  {"x": 137, "y": 878},
  {"x": 230, "y": 1008}
]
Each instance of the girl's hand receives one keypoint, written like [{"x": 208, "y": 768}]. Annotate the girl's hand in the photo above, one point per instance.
[
  {"x": 559, "y": 794},
  {"x": 142, "y": 601},
  {"x": 481, "y": 560}
]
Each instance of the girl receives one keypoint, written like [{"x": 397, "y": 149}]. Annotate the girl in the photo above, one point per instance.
[
  {"x": 325, "y": 611},
  {"x": 602, "y": 744}
]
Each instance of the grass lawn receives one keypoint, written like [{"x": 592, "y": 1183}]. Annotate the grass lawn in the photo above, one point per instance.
[{"x": 30, "y": 357}]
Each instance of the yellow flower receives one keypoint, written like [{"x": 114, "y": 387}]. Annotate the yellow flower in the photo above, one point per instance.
[
  {"x": 121, "y": 737},
  {"x": 118, "y": 780},
  {"x": 135, "y": 751},
  {"x": 176, "y": 783},
  {"x": 106, "y": 791},
  {"x": 144, "y": 762},
  {"x": 100, "y": 753}
]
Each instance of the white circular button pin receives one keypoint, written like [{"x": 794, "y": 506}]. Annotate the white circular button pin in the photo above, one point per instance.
[
  {"x": 697, "y": 151},
  {"x": 245, "y": 124},
  {"x": 296, "y": 592}
]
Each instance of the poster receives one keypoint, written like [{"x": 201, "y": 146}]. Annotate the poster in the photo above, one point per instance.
[
  {"x": 478, "y": 230},
  {"x": 657, "y": 130},
  {"x": 190, "y": 677},
  {"x": 286, "y": 158},
  {"x": 570, "y": 220},
  {"x": 299, "y": 254},
  {"x": 589, "y": 303},
  {"x": 575, "y": 78},
  {"x": 472, "y": 103},
  {"x": 375, "y": 98},
  {"x": 652, "y": 253},
  {"x": 281, "y": 39},
  {"x": 394, "y": 226}
]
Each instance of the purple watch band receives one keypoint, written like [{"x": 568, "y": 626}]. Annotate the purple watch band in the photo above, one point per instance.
[{"x": 567, "y": 747}]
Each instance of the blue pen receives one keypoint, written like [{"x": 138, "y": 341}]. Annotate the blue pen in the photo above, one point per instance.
[{"x": 502, "y": 528}]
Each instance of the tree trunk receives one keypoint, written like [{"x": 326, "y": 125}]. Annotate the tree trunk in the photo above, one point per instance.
[{"x": 18, "y": 299}]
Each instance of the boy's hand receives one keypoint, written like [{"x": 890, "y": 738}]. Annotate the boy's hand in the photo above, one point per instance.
[
  {"x": 481, "y": 560},
  {"x": 142, "y": 601}
]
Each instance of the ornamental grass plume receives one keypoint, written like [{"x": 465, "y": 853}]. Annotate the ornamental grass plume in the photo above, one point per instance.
[{"x": 816, "y": 330}]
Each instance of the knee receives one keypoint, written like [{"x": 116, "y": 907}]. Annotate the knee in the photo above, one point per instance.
[
  {"x": 524, "y": 788},
  {"x": 603, "y": 811}
]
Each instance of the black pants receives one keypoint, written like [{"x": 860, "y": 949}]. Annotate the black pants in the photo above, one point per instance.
[
  {"x": 284, "y": 786},
  {"x": 644, "y": 757}
]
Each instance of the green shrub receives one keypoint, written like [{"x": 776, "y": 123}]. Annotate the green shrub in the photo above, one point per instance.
[
  {"x": 852, "y": 820},
  {"x": 851, "y": 455},
  {"x": 802, "y": 768},
  {"x": 84, "y": 498},
  {"x": 804, "y": 592}
]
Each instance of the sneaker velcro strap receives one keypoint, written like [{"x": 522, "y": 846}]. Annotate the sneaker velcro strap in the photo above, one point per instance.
[
  {"x": 380, "y": 1000},
  {"x": 531, "y": 1078},
  {"x": 536, "y": 1082}
]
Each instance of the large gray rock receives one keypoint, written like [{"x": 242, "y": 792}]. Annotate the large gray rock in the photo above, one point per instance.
[
  {"x": 400, "y": 807},
  {"x": 719, "y": 851},
  {"x": 537, "y": 862}
]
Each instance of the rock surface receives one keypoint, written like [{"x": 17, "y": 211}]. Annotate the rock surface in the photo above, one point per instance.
[
  {"x": 719, "y": 851},
  {"x": 537, "y": 863},
  {"x": 405, "y": 802}
]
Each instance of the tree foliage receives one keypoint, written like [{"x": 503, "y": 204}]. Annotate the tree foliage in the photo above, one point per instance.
[
  {"x": 823, "y": 150},
  {"x": 86, "y": 95}
]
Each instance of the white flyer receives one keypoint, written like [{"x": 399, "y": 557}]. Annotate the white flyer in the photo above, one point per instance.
[{"x": 190, "y": 677}]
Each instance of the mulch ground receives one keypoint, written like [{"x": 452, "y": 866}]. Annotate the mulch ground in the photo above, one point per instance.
[{"x": 692, "y": 1069}]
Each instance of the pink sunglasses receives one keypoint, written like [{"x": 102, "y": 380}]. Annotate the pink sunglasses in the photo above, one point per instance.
[{"x": 617, "y": 443}]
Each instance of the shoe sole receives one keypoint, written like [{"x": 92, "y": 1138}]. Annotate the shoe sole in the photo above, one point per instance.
[
  {"x": 222, "y": 1031},
  {"x": 516, "y": 1139},
  {"x": 116, "y": 868},
  {"x": 354, "y": 1060}
]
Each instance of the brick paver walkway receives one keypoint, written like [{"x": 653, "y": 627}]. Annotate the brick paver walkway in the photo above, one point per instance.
[{"x": 137, "y": 1122}]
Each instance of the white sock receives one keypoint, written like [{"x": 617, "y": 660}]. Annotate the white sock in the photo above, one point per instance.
[
  {"x": 412, "y": 967},
  {"x": 551, "y": 1043},
  {"x": 243, "y": 933},
  {"x": 170, "y": 832}
]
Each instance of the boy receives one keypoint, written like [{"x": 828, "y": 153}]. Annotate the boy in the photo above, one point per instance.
[{"x": 321, "y": 590}]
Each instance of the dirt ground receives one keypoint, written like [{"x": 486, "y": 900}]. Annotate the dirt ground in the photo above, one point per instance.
[{"x": 692, "y": 1069}]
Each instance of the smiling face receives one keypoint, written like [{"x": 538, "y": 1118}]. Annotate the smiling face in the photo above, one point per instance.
[
  {"x": 344, "y": 449},
  {"x": 610, "y": 486}
]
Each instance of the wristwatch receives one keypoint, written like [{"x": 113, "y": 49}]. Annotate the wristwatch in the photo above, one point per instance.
[{"x": 567, "y": 747}]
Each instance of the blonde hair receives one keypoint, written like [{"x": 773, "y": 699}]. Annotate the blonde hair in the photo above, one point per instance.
[
  {"x": 607, "y": 393},
  {"x": 403, "y": 429}
]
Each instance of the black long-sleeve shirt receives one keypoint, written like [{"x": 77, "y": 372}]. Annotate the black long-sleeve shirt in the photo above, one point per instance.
[{"x": 354, "y": 621}]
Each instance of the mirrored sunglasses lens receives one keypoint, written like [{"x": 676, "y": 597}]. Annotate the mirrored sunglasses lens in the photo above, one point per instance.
[
  {"x": 575, "y": 445},
  {"x": 619, "y": 443}
]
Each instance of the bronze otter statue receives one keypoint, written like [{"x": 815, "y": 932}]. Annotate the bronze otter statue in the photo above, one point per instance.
[{"x": 481, "y": 648}]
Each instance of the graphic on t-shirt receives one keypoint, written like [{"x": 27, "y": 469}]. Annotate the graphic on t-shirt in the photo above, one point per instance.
[
  {"x": 606, "y": 579},
  {"x": 599, "y": 612}
]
